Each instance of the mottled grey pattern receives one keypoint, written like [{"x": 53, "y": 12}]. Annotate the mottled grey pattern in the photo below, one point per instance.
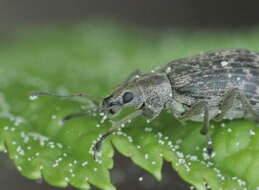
[
  {"x": 208, "y": 76},
  {"x": 215, "y": 85}
]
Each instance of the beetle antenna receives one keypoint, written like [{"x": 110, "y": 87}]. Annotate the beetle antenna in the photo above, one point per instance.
[
  {"x": 117, "y": 125},
  {"x": 36, "y": 94},
  {"x": 74, "y": 115}
]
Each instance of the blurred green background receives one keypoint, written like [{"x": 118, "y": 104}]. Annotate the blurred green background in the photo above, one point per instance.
[{"x": 42, "y": 39}]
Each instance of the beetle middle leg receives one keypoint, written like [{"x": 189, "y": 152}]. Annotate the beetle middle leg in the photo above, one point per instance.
[
  {"x": 197, "y": 109},
  {"x": 228, "y": 102}
]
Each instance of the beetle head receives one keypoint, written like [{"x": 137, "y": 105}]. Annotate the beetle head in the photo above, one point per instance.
[{"x": 125, "y": 95}]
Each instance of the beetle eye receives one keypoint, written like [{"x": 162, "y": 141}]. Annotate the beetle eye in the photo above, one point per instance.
[{"x": 127, "y": 97}]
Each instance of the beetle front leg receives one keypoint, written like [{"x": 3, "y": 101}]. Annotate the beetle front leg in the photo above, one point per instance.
[
  {"x": 149, "y": 113},
  {"x": 116, "y": 125},
  {"x": 197, "y": 109}
]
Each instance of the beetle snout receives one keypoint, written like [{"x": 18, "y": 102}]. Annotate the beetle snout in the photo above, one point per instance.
[{"x": 110, "y": 105}]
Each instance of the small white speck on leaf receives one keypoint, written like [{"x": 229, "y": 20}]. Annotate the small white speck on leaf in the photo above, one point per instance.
[
  {"x": 252, "y": 132},
  {"x": 33, "y": 97}
]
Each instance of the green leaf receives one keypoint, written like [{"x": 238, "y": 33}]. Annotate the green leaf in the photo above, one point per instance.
[{"x": 94, "y": 59}]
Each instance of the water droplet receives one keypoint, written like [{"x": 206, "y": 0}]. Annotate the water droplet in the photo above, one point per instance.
[
  {"x": 33, "y": 97},
  {"x": 148, "y": 129},
  {"x": 67, "y": 179},
  {"x": 19, "y": 168},
  {"x": 84, "y": 163},
  {"x": 168, "y": 70},
  {"x": 161, "y": 142},
  {"x": 140, "y": 179},
  {"x": 224, "y": 63},
  {"x": 252, "y": 132},
  {"x": 104, "y": 118}
]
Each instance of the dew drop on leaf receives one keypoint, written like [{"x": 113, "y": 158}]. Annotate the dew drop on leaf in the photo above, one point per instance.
[{"x": 33, "y": 97}]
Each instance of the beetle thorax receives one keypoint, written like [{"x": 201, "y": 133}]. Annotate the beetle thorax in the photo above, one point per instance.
[{"x": 156, "y": 91}]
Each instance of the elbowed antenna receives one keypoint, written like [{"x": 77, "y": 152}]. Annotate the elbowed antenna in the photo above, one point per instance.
[
  {"x": 74, "y": 115},
  {"x": 36, "y": 94}
]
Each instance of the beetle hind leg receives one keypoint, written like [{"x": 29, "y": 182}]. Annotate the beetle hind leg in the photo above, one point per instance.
[{"x": 229, "y": 101}]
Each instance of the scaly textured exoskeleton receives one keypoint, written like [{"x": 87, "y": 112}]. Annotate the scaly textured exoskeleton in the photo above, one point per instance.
[{"x": 209, "y": 86}]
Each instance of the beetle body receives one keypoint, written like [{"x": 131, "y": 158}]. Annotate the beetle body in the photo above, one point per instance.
[
  {"x": 214, "y": 85},
  {"x": 204, "y": 77}
]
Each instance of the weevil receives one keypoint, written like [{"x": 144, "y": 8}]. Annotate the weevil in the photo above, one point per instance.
[{"x": 215, "y": 85}]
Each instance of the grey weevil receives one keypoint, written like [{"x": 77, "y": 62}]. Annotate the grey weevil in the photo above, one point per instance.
[{"x": 215, "y": 85}]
